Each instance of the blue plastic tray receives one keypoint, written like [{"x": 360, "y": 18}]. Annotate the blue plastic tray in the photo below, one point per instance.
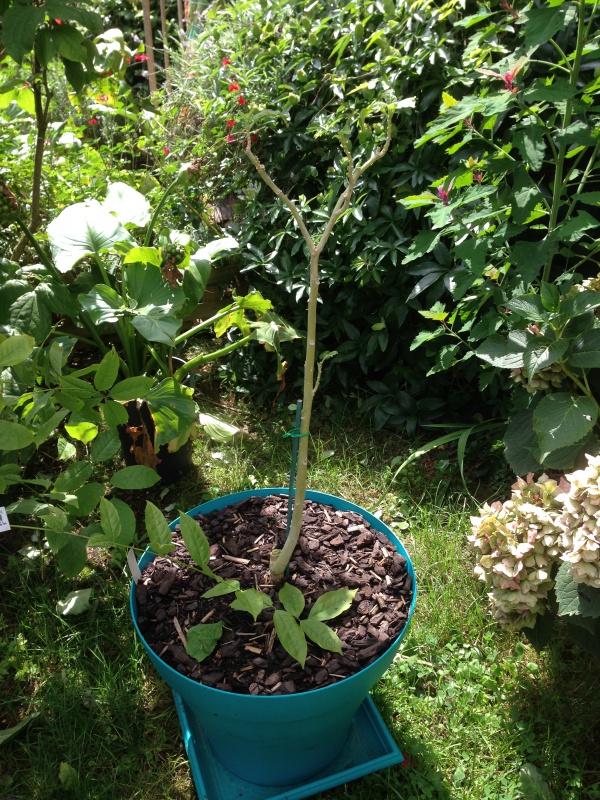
[{"x": 368, "y": 749}]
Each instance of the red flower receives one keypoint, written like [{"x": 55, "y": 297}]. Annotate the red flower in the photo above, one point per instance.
[
  {"x": 254, "y": 137},
  {"x": 477, "y": 175},
  {"x": 443, "y": 195},
  {"x": 226, "y": 62},
  {"x": 128, "y": 60},
  {"x": 140, "y": 57},
  {"x": 166, "y": 151},
  {"x": 102, "y": 98},
  {"x": 58, "y": 21},
  {"x": 508, "y": 77},
  {"x": 241, "y": 101},
  {"x": 234, "y": 87},
  {"x": 230, "y": 138},
  {"x": 92, "y": 121},
  {"x": 230, "y": 123}
]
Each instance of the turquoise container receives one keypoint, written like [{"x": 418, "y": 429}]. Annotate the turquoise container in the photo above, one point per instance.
[{"x": 282, "y": 739}]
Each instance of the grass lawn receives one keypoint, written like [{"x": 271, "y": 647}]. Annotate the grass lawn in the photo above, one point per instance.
[{"x": 468, "y": 704}]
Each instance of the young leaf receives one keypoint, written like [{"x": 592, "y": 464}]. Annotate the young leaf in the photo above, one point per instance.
[
  {"x": 202, "y": 639},
  {"x": 321, "y": 634},
  {"x": 332, "y": 604},
  {"x": 251, "y": 601},
  {"x": 196, "y": 542},
  {"x": 110, "y": 520},
  {"x": 223, "y": 587},
  {"x": 292, "y": 599},
  {"x": 15, "y": 350},
  {"x": 159, "y": 533},
  {"x": 127, "y": 518},
  {"x": 550, "y": 296},
  {"x": 291, "y": 636},
  {"x": 561, "y": 419}
]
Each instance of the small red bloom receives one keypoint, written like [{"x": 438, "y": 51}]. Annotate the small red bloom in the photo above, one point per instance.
[
  {"x": 443, "y": 195},
  {"x": 477, "y": 176},
  {"x": 58, "y": 21},
  {"x": 230, "y": 123},
  {"x": 254, "y": 137},
  {"x": 128, "y": 60},
  {"x": 102, "y": 98},
  {"x": 230, "y": 138},
  {"x": 234, "y": 87},
  {"x": 140, "y": 57},
  {"x": 241, "y": 101},
  {"x": 226, "y": 62},
  {"x": 26, "y": 85},
  {"x": 166, "y": 151},
  {"x": 92, "y": 121}
]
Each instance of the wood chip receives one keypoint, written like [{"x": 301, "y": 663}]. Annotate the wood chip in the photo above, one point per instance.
[
  {"x": 235, "y": 560},
  {"x": 180, "y": 632}
]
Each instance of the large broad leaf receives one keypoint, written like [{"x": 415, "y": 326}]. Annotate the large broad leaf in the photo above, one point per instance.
[
  {"x": 73, "y": 477},
  {"x": 561, "y": 419},
  {"x": 107, "y": 371},
  {"x": 519, "y": 441},
  {"x": 542, "y": 632},
  {"x": 106, "y": 445},
  {"x": 585, "y": 350},
  {"x": 202, "y": 639},
  {"x": 529, "y": 306},
  {"x": 291, "y": 636},
  {"x": 575, "y": 598},
  {"x": 127, "y": 204},
  {"x": 541, "y": 353},
  {"x": 504, "y": 353},
  {"x": 147, "y": 290},
  {"x": 533, "y": 785},
  {"x": 131, "y": 389},
  {"x": 155, "y": 326},
  {"x": 81, "y": 230},
  {"x": 74, "y": 603},
  {"x": 30, "y": 315},
  {"x": 88, "y": 497},
  {"x": 19, "y": 24},
  {"x": 72, "y": 556},
  {"x": 216, "y": 429},
  {"x": 103, "y": 304},
  {"x": 173, "y": 410},
  {"x": 210, "y": 250}
]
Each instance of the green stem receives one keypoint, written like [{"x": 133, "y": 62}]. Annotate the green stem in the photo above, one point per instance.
[
  {"x": 161, "y": 363},
  {"x": 560, "y": 162},
  {"x": 198, "y": 361},
  {"x": 206, "y": 324},
  {"x": 36, "y": 246},
  {"x": 159, "y": 208},
  {"x": 561, "y": 53},
  {"x": 584, "y": 178}
]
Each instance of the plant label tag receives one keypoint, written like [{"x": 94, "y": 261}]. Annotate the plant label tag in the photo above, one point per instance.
[
  {"x": 4, "y": 523},
  {"x": 133, "y": 567}
]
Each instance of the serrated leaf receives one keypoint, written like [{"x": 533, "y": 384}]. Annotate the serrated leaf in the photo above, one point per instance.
[
  {"x": 321, "y": 634},
  {"x": 561, "y": 419},
  {"x": 252, "y": 601},
  {"x": 105, "y": 446},
  {"x": 501, "y": 352},
  {"x": 136, "y": 477},
  {"x": 223, "y": 587},
  {"x": 196, "y": 542},
  {"x": 19, "y": 25},
  {"x": 550, "y": 296},
  {"x": 107, "y": 371},
  {"x": 575, "y": 598},
  {"x": 332, "y": 604},
  {"x": 291, "y": 636},
  {"x": 30, "y": 314},
  {"x": 579, "y": 304},
  {"x": 528, "y": 306},
  {"x": 585, "y": 350},
  {"x": 74, "y": 603},
  {"x": 202, "y": 639},
  {"x": 159, "y": 533},
  {"x": 541, "y": 354},
  {"x": 292, "y": 599}
]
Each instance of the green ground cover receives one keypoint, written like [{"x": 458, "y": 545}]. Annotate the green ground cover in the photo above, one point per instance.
[{"x": 469, "y": 705}]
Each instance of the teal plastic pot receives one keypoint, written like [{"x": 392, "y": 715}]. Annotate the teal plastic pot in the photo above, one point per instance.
[{"x": 282, "y": 739}]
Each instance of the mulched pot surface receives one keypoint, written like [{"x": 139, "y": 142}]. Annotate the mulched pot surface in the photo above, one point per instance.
[{"x": 337, "y": 549}]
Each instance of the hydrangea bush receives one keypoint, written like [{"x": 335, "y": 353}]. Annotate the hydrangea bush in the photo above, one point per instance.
[{"x": 539, "y": 555}]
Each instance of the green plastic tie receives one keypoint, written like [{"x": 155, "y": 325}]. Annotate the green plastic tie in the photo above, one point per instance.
[{"x": 294, "y": 434}]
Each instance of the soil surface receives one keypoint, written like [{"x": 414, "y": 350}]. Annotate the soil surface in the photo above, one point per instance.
[{"x": 337, "y": 549}]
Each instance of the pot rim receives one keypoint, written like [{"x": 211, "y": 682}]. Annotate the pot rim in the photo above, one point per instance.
[{"x": 321, "y": 497}]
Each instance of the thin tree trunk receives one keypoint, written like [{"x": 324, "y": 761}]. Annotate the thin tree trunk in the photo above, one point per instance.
[{"x": 149, "y": 42}]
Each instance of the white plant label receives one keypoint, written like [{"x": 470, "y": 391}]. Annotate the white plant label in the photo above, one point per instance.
[
  {"x": 4, "y": 523},
  {"x": 133, "y": 567}
]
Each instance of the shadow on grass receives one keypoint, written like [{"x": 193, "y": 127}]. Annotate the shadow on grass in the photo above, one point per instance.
[{"x": 558, "y": 712}]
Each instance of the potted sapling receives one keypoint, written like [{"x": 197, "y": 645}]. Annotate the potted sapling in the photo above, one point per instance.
[{"x": 272, "y": 612}]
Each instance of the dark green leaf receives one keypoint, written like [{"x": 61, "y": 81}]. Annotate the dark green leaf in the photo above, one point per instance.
[
  {"x": 584, "y": 638},
  {"x": 73, "y": 477},
  {"x": 575, "y": 598},
  {"x": 107, "y": 371},
  {"x": 541, "y": 634},
  {"x": 173, "y": 409},
  {"x": 202, "y": 639},
  {"x": 574, "y": 229},
  {"x": 585, "y": 350},
  {"x": 14, "y": 436},
  {"x": 69, "y": 42},
  {"x": 541, "y": 354},
  {"x": 291, "y": 636},
  {"x": 30, "y": 315},
  {"x": 519, "y": 441},
  {"x": 19, "y": 24},
  {"x": 578, "y": 304},
  {"x": 474, "y": 253},
  {"x": 88, "y": 497},
  {"x": 550, "y": 296},
  {"x": 578, "y": 133},
  {"x": 105, "y": 446},
  {"x": 541, "y": 91},
  {"x": 222, "y": 588},
  {"x": 501, "y": 352},
  {"x": 72, "y": 556},
  {"x": 542, "y": 24},
  {"x": 110, "y": 520},
  {"x": 114, "y": 413},
  {"x": 131, "y": 389},
  {"x": 529, "y": 139},
  {"x": 561, "y": 419},
  {"x": 529, "y": 306},
  {"x": 529, "y": 257}
]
